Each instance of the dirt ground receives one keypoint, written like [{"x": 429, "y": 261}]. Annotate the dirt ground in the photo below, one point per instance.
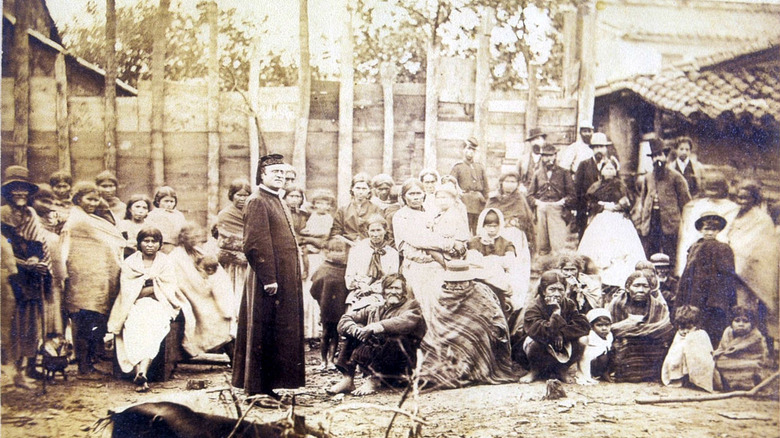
[{"x": 70, "y": 408}]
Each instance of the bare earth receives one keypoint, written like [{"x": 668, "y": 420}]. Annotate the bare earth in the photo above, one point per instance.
[{"x": 70, "y": 408}]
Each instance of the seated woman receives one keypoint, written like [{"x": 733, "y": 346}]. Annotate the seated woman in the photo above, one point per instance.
[
  {"x": 467, "y": 337},
  {"x": 207, "y": 298},
  {"x": 742, "y": 358},
  {"x": 641, "y": 328},
  {"x": 553, "y": 327},
  {"x": 147, "y": 303},
  {"x": 382, "y": 339},
  {"x": 517, "y": 213},
  {"x": 581, "y": 288},
  {"x": 368, "y": 262}
]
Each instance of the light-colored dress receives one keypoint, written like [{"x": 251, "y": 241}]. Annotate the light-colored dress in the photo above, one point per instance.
[{"x": 690, "y": 355}]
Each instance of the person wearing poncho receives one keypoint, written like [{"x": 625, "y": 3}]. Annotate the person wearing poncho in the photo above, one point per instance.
[
  {"x": 467, "y": 337},
  {"x": 641, "y": 328}
]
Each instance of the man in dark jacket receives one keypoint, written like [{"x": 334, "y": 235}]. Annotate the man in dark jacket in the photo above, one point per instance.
[
  {"x": 588, "y": 173},
  {"x": 269, "y": 342},
  {"x": 472, "y": 181},
  {"x": 552, "y": 193}
]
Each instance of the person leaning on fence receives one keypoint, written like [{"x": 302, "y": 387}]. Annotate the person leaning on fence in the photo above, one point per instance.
[{"x": 382, "y": 339}]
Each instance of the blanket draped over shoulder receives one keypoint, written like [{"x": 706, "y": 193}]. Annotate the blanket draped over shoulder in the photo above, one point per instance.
[
  {"x": 207, "y": 304},
  {"x": 136, "y": 332}
]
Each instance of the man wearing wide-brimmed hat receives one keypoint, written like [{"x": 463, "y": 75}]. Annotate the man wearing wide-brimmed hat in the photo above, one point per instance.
[
  {"x": 21, "y": 229},
  {"x": 661, "y": 198},
  {"x": 552, "y": 193},
  {"x": 588, "y": 173},
  {"x": 531, "y": 161},
  {"x": 269, "y": 343},
  {"x": 472, "y": 182},
  {"x": 572, "y": 155}
]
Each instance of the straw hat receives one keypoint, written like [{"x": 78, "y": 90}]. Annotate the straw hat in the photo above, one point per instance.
[{"x": 17, "y": 177}]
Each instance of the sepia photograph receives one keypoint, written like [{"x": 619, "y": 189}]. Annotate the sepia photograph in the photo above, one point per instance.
[{"x": 390, "y": 218}]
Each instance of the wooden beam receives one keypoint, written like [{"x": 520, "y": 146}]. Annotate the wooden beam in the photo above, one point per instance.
[
  {"x": 213, "y": 112},
  {"x": 570, "y": 61},
  {"x": 482, "y": 88},
  {"x": 346, "y": 107},
  {"x": 61, "y": 113},
  {"x": 255, "y": 135},
  {"x": 431, "y": 104},
  {"x": 304, "y": 91},
  {"x": 388, "y": 73},
  {"x": 20, "y": 59},
  {"x": 587, "y": 80},
  {"x": 109, "y": 120},
  {"x": 158, "y": 94}
]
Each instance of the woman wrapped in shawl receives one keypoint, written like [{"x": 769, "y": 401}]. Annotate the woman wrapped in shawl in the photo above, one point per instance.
[
  {"x": 369, "y": 261},
  {"x": 467, "y": 337},
  {"x": 502, "y": 268},
  {"x": 518, "y": 216},
  {"x": 205, "y": 295},
  {"x": 147, "y": 303},
  {"x": 610, "y": 239},
  {"x": 230, "y": 226},
  {"x": 742, "y": 358},
  {"x": 581, "y": 288},
  {"x": 641, "y": 328},
  {"x": 93, "y": 247}
]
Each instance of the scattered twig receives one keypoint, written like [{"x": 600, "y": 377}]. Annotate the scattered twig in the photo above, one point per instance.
[
  {"x": 241, "y": 419},
  {"x": 751, "y": 393},
  {"x": 361, "y": 406}
]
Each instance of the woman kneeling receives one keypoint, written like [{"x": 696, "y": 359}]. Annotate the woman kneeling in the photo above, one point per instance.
[{"x": 142, "y": 313}]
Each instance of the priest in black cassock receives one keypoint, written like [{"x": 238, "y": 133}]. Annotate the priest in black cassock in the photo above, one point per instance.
[{"x": 269, "y": 343}]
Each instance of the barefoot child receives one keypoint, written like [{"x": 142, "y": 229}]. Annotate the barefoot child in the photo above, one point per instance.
[
  {"x": 742, "y": 357},
  {"x": 329, "y": 288},
  {"x": 689, "y": 359},
  {"x": 597, "y": 345}
]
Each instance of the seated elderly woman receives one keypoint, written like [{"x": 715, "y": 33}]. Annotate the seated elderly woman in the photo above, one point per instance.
[
  {"x": 205, "y": 292},
  {"x": 147, "y": 303},
  {"x": 382, "y": 339},
  {"x": 641, "y": 328},
  {"x": 553, "y": 327},
  {"x": 369, "y": 261},
  {"x": 467, "y": 337}
]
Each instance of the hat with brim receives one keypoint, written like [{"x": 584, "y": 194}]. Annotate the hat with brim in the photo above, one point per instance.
[
  {"x": 561, "y": 356},
  {"x": 599, "y": 139},
  {"x": 471, "y": 142},
  {"x": 548, "y": 149},
  {"x": 535, "y": 132},
  {"x": 708, "y": 217},
  {"x": 660, "y": 259},
  {"x": 458, "y": 271},
  {"x": 17, "y": 177},
  {"x": 657, "y": 146}
]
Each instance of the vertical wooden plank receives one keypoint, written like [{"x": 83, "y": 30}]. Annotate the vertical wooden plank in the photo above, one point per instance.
[
  {"x": 20, "y": 59},
  {"x": 346, "y": 107},
  {"x": 213, "y": 112},
  {"x": 158, "y": 94},
  {"x": 587, "y": 82},
  {"x": 109, "y": 154},
  {"x": 304, "y": 90},
  {"x": 431, "y": 104},
  {"x": 253, "y": 122},
  {"x": 570, "y": 64},
  {"x": 61, "y": 113},
  {"x": 388, "y": 74},
  {"x": 482, "y": 89},
  {"x": 532, "y": 105}
]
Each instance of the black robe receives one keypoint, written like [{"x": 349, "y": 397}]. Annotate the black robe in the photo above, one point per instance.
[{"x": 269, "y": 343}]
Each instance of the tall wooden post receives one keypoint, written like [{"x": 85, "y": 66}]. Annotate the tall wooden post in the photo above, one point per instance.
[
  {"x": 431, "y": 103},
  {"x": 482, "y": 89},
  {"x": 532, "y": 106},
  {"x": 387, "y": 73},
  {"x": 587, "y": 80},
  {"x": 109, "y": 123},
  {"x": 158, "y": 94},
  {"x": 256, "y": 146},
  {"x": 346, "y": 106},
  {"x": 213, "y": 112},
  {"x": 304, "y": 90},
  {"x": 20, "y": 59},
  {"x": 61, "y": 113}
]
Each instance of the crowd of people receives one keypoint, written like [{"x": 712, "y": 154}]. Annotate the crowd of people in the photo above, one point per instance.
[{"x": 561, "y": 271}]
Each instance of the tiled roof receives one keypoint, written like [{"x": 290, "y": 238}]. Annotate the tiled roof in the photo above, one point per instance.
[{"x": 701, "y": 88}]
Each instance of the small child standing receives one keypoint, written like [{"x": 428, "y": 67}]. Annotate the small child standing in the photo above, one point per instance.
[
  {"x": 742, "y": 358},
  {"x": 708, "y": 281},
  {"x": 595, "y": 360},
  {"x": 166, "y": 217},
  {"x": 690, "y": 357},
  {"x": 329, "y": 288},
  {"x": 317, "y": 229},
  {"x": 667, "y": 283}
]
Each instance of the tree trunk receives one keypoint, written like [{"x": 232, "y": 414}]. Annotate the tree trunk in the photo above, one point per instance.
[
  {"x": 587, "y": 82},
  {"x": 346, "y": 108},
  {"x": 20, "y": 59},
  {"x": 158, "y": 94},
  {"x": 61, "y": 113},
  {"x": 109, "y": 123},
  {"x": 431, "y": 103},
  {"x": 256, "y": 143},
  {"x": 482, "y": 89},
  {"x": 304, "y": 89},
  {"x": 213, "y": 112},
  {"x": 532, "y": 105},
  {"x": 388, "y": 73}
]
